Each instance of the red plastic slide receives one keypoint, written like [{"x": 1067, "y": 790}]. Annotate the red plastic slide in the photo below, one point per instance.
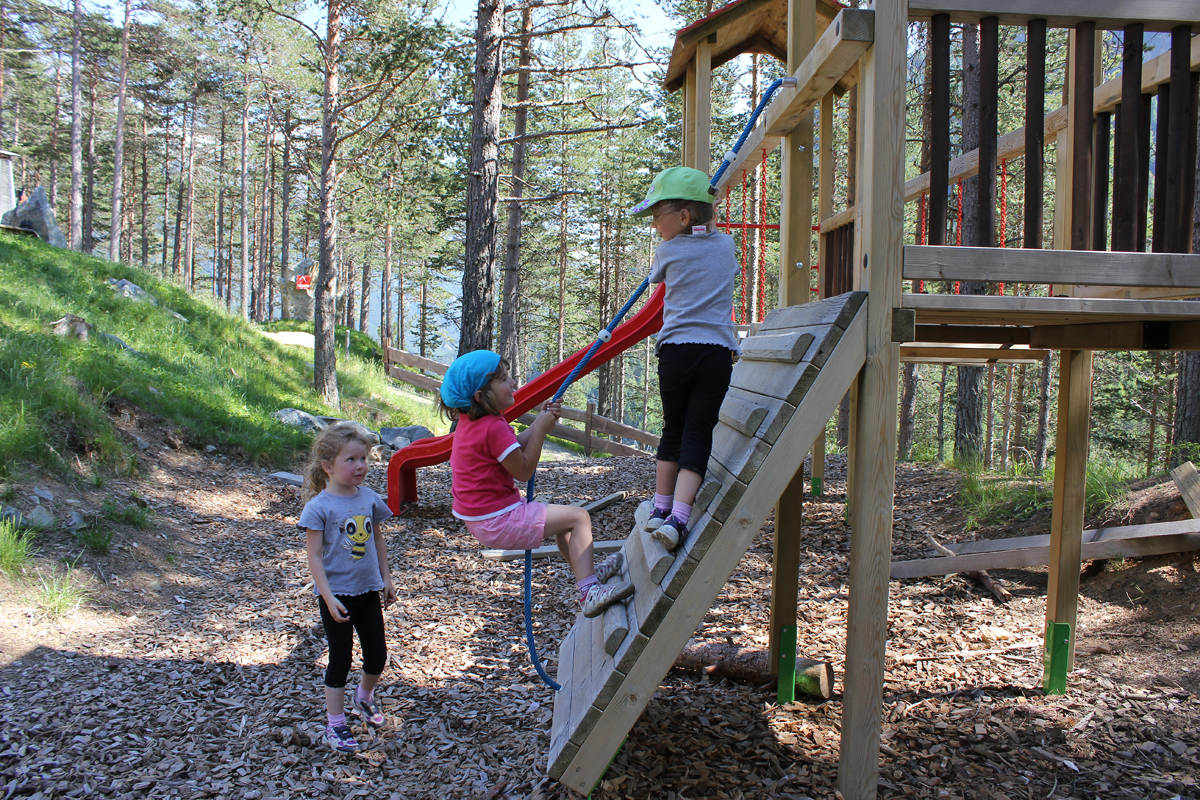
[{"x": 402, "y": 469}]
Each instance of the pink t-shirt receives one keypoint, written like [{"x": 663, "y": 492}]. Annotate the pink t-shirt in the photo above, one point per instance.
[{"x": 481, "y": 487}]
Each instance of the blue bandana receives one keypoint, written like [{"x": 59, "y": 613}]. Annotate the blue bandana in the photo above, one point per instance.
[{"x": 467, "y": 375}]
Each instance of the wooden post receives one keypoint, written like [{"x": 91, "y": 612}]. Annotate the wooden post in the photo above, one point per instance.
[
  {"x": 1126, "y": 175},
  {"x": 1100, "y": 182},
  {"x": 689, "y": 116},
  {"x": 1181, "y": 138},
  {"x": 1070, "y": 476},
  {"x": 1143, "y": 168},
  {"x": 985, "y": 183},
  {"x": 939, "y": 122},
  {"x": 881, "y": 200},
  {"x": 795, "y": 249},
  {"x": 824, "y": 211},
  {"x": 587, "y": 429},
  {"x": 1035, "y": 134},
  {"x": 1082, "y": 81},
  {"x": 702, "y": 120},
  {"x": 1158, "y": 237}
]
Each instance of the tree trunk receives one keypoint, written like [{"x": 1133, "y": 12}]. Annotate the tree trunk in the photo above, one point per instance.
[
  {"x": 1185, "y": 442},
  {"x": 1039, "y": 455},
  {"x": 264, "y": 272},
  {"x": 285, "y": 225},
  {"x": 562, "y": 257},
  {"x": 1153, "y": 416},
  {"x": 219, "y": 234},
  {"x": 1005, "y": 440},
  {"x": 270, "y": 273},
  {"x": 325, "y": 351},
  {"x": 385, "y": 279},
  {"x": 166, "y": 217},
  {"x": 364, "y": 306},
  {"x": 1018, "y": 437},
  {"x": 842, "y": 434},
  {"x": 483, "y": 183},
  {"x": 114, "y": 233},
  {"x": 54, "y": 133},
  {"x": 89, "y": 200},
  {"x": 76, "y": 224},
  {"x": 189, "y": 256},
  {"x": 176, "y": 252},
  {"x": 908, "y": 406},
  {"x": 989, "y": 416},
  {"x": 146, "y": 196},
  {"x": 968, "y": 410},
  {"x": 941, "y": 426},
  {"x": 244, "y": 211},
  {"x": 510, "y": 304}
]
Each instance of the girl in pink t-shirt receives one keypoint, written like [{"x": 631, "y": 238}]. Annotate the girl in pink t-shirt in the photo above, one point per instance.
[{"x": 485, "y": 459}]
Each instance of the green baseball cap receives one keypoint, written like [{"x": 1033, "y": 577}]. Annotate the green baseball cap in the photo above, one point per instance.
[{"x": 674, "y": 183}]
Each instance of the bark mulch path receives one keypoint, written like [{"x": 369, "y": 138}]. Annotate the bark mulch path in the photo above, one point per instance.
[{"x": 194, "y": 669}]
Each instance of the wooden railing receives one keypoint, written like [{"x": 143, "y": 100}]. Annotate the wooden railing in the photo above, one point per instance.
[{"x": 593, "y": 423}]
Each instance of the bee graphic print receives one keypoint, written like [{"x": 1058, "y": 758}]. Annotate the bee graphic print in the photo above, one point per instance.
[{"x": 358, "y": 530}]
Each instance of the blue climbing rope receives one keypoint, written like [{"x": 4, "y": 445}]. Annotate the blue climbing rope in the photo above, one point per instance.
[
  {"x": 603, "y": 337},
  {"x": 762, "y": 104}
]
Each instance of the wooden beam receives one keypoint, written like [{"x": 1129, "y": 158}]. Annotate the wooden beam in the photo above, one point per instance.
[
  {"x": 581, "y": 438},
  {"x": 923, "y": 354},
  {"x": 689, "y": 115},
  {"x": 1070, "y": 477},
  {"x": 838, "y": 220},
  {"x": 1011, "y": 145},
  {"x": 1034, "y": 551},
  {"x": 414, "y": 378},
  {"x": 728, "y": 16},
  {"x": 1174, "y": 270},
  {"x": 1187, "y": 479},
  {"x": 954, "y": 309},
  {"x": 703, "y": 116},
  {"x": 404, "y": 358},
  {"x": 971, "y": 334},
  {"x": 825, "y": 184},
  {"x": 838, "y": 49},
  {"x": 549, "y": 551},
  {"x": 1157, "y": 15},
  {"x": 880, "y": 196}
]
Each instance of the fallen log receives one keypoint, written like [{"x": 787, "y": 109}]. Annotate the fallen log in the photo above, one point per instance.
[
  {"x": 750, "y": 665},
  {"x": 981, "y": 576}
]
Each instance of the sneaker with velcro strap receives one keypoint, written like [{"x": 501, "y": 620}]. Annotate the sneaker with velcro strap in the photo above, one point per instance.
[
  {"x": 341, "y": 739},
  {"x": 670, "y": 533},
  {"x": 610, "y": 566},
  {"x": 657, "y": 517},
  {"x": 602, "y": 595}
]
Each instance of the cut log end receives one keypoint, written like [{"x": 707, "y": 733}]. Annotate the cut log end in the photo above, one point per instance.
[{"x": 814, "y": 678}]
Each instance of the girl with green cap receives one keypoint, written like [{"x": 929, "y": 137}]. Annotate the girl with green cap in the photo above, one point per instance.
[
  {"x": 485, "y": 458},
  {"x": 697, "y": 342}
]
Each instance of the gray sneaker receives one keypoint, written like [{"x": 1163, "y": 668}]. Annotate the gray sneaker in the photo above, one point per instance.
[
  {"x": 657, "y": 518},
  {"x": 601, "y": 596},
  {"x": 341, "y": 739},
  {"x": 610, "y": 566}
]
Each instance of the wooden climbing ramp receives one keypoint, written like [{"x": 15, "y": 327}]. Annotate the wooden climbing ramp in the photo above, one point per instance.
[{"x": 793, "y": 372}]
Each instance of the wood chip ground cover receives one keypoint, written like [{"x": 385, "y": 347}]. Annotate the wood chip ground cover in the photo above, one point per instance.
[{"x": 194, "y": 671}]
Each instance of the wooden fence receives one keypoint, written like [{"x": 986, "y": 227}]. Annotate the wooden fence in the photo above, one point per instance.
[{"x": 593, "y": 423}]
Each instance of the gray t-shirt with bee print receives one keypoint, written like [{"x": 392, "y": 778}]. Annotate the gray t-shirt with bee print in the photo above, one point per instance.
[{"x": 348, "y": 546}]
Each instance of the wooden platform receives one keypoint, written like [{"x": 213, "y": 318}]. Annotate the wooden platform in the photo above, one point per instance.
[
  {"x": 961, "y": 309},
  {"x": 793, "y": 373}
]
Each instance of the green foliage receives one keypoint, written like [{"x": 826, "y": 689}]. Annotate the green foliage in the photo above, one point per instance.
[
  {"x": 14, "y": 548},
  {"x": 987, "y": 499},
  {"x": 132, "y": 514},
  {"x": 95, "y": 537},
  {"x": 1106, "y": 483},
  {"x": 214, "y": 376}
]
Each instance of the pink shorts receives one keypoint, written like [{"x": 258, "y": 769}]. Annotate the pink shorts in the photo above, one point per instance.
[{"x": 523, "y": 528}]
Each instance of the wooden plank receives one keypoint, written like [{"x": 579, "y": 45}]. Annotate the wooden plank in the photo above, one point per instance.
[
  {"x": 1134, "y": 292},
  {"x": 1022, "y": 557},
  {"x": 837, "y": 311},
  {"x": 697, "y": 594},
  {"x": 731, "y": 489},
  {"x": 1070, "y": 475},
  {"x": 786, "y": 348},
  {"x": 1158, "y": 15},
  {"x": 549, "y": 551},
  {"x": 838, "y": 220},
  {"x": 1014, "y": 264},
  {"x": 920, "y": 354},
  {"x": 785, "y": 566},
  {"x": 580, "y": 437},
  {"x": 878, "y": 267},
  {"x": 407, "y": 359},
  {"x": 740, "y": 412},
  {"x": 560, "y": 727},
  {"x": 838, "y": 49},
  {"x": 611, "y": 427},
  {"x": 961, "y": 309},
  {"x": 414, "y": 378},
  {"x": 1187, "y": 479},
  {"x": 739, "y": 454},
  {"x": 1090, "y": 535},
  {"x": 972, "y": 334}
]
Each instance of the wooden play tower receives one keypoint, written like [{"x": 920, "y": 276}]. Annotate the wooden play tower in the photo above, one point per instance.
[{"x": 1108, "y": 293}]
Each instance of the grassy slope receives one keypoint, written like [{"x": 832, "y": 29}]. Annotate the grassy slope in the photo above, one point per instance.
[{"x": 214, "y": 376}]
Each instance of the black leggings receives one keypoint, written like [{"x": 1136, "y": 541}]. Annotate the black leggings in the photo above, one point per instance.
[
  {"x": 366, "y": 617},
  {"x": 692, "y": 381}
]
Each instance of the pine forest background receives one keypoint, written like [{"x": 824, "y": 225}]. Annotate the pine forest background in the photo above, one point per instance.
[{"x": 223, "y": 143}]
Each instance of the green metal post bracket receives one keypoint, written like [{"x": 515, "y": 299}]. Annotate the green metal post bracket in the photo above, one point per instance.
[
  {"x": 817, "y": 487},
  {"x": 786, "y": 693},
  {"x": 1056, "y": 656}
]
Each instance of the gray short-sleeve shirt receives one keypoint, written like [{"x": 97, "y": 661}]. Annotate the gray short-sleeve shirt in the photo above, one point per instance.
[{"x": 347, "y": 547}]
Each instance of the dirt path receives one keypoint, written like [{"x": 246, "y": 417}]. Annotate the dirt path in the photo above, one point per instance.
[{"x": 195, "y": 669}]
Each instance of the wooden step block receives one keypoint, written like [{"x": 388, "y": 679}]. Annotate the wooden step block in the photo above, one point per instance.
[
  {"x": 658, "y": 558},
  {"x": 729, "y": 491},
  {"x": 616, "y": 627},
  {"x": 741, "y": 412},
  {"x": 640, "y": 516},
  {"x": 830, "y": 311},
  {"x": 787, "y": 347},
  {"x": 708, "y": 490},
  {"x": 787, "y": 382},
  {"x": 739, "y": 454},
  {"x": 773, "y": 413},
  {"x": 649, "y": 602}
]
